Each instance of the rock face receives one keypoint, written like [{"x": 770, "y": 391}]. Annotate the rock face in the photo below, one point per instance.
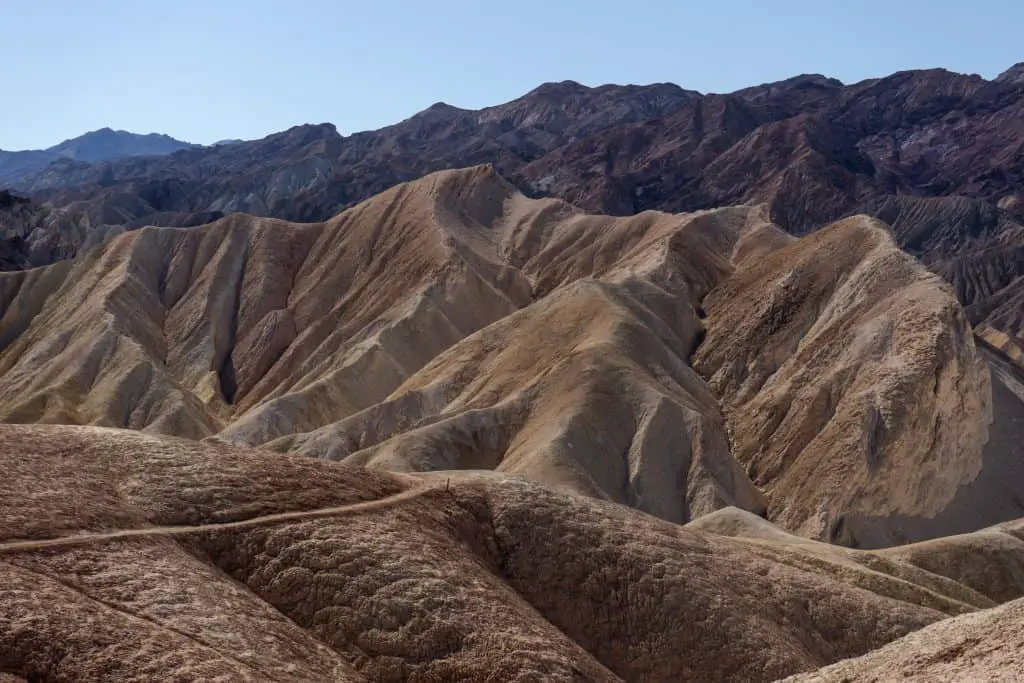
[
  {"x": 924, "y": 151},
  {"x": 34, "y": 235},
  {"x": 452, "y": 323},
  {"x": 813, "y": 149},
  {"x": 851, "y": 384},
  {"x": 978, "y": 248},
  {"x": 1015, "y": 74},
  {"x": 153, "y": 558},
  {"x": 332, "y": 338}
]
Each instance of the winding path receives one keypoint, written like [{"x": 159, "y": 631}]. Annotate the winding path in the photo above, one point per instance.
[{"x": 300, "y": 515}]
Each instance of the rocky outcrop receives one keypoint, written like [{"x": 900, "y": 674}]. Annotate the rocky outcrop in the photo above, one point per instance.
[
  {"x": 1015, "y": 74},
  {"x": 977, "y": 247},
  {"x": 851, "y": 385},
  {"x": 148, "y": 557},
  {"x": 453, "y": 323},
  {"x": 384, "y": 335},
  {"x": 33, "y": 235},
  {"x": 924, "y": 151}
]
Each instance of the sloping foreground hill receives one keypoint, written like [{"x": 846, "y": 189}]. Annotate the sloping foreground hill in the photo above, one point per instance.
[
  {"x": 132, "y": 557},
  {"x": 983, "y": 646},
  {"x": 452, "y": 323},
  {"x": 987, "y": 646}
]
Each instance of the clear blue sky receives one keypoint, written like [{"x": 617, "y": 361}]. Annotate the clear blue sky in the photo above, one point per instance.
[{"x": 203, "y": 70}]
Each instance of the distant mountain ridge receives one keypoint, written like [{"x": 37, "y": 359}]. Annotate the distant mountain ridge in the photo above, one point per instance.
[
  {"x": 1015, "y": 74},
  {"x": 619, "y": 150},
  {"x": 938, "y": 155},
  {"x": 99, "y": 145}
]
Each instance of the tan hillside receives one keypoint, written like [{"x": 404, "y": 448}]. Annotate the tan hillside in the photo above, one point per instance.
[
  {"x": 178, "y": 331},
  {"x": 588, "y": 390},
  {"x": 987, "y": 646},
  {"x": 452, "y": 323},
  {"x": 851, "y": 385},
  {"x": 987, "y": 566},
  {"x": 260, "y": 331},
  {"x": 453, "y": 388},
  {"x": 153, "y": 558}
]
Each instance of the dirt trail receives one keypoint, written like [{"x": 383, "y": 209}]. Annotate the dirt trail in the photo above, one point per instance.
[{"x": 85, "y": 539}]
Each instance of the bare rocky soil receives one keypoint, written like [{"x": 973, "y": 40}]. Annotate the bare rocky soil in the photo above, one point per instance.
[
  {"x": 493, "y": 416},
  {"x": 934, "y": 154},
  {"x": 175, "y": 560}
]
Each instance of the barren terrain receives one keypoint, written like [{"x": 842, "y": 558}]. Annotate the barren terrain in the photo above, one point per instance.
[
  {"x": 158, "y": 558},
  {"x": 456, "y": 433},
  {"x": 452, "y": 323}
]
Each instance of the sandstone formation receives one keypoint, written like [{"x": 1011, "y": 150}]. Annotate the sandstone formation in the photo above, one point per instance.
[
  {"x": 935, "y": 154},
  {"x": 259, "y": 331},
  {"x": 452, "y": 323},
  {"x": 851, "y": 384},
  {"x": 154, "y": 558}
]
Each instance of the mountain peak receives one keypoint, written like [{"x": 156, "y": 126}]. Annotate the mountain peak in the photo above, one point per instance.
[
  {"x": 560, "y": 88},
  {"x": 1015, "y": 74},
  {"x": 106, "y": 144},
  {"x": 441, "y": 106}
]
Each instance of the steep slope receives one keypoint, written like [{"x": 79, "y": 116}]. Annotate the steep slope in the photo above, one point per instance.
[
  {"x": 452, "y": 323},
  {"x": 814, "y": 150},
  {"x": 260, "y": 331},
  {"x": 851, "y": 385},
  {"x": 1015, "y": 74},
  {"x": 240, "y": 312},
  {"x": 977, "y": 247},
  {"x": 155, "y": 558},
  {"x": 977, "y": 647},
  {"x": 13, "y": 252},
  {"x": 587, "y": 390}
]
